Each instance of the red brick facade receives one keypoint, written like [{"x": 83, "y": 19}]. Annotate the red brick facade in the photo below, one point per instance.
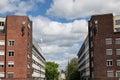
[
  {"x": 19, "y": 30},
  {"x": 101, "y": 27}
]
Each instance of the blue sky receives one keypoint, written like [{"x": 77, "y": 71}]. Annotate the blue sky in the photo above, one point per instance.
[{"x": 59, "y": 26}]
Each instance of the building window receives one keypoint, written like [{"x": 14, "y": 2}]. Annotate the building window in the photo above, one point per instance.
[
  {"x": 2, "y": 23},
  {"x": 118, "y": 62},
  {"x": 117, "y": 51},
  {"x": 91, "y": 44},
  {"x": 11, "y": 53},
  {"x": 92, "y": 54},
  {"x": 28, "y": 75},
  {"x": 2, "y": 53},
  {"x": 2, "y": 42},
  {"x": 10, "y": 63},
  {"x": 2, "y": 74},
  {"x": 92, "y": 74},
  {"x": 10, "y": 75},
  {"x": 96, "y": 26},
  {"x": 109, "y": 62},
  {"x": 11, "y": 43},
  {"x": 108, "y": 41},
  {"x": 28, "y": 45},
  {"x": 117, "y": 22},
  {"x": 28, "y": 34},
  {"x": 92, "y": 64},
  {"x": 108, "y": 51},
  {"x": 1, "y": 64},
  {"x": 110, "y": 73},
  {"x": 29, "y": 25},
  {"x": 28, "y": 55},
  {"x": 118, "y": 73},
  {"x": 28, "y": 66},
  {"x": 91, "y": 33},
  {"x": 117, "y": 40}
]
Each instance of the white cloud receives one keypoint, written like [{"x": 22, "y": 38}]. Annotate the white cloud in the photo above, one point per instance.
[
  {"x": 19, "y": 7},
  {"x": 56, "y": 33},
  {"x": 23, "y": 7},
  {"x": 71, "y": 9},
  {"x": 7, "y": 5},
  {"x": 59, "y": 39},
  {"x": 53, "y": 49}
]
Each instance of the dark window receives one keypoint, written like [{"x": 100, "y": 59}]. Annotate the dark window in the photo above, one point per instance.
[
  {"x": 1, "y": 66},
  {"x": 11, "y": 53},
  {"x": 29, "y": 34},
  {"x": 117, "y": 22},
  {"x": 11, "y": 43},
  {"x": 28, "y": 45},
  {"x": 10, "y": 65},
  {"x": 109, "y": 63},
  {"x": 2, "y": 24},
  {"x": 10, "y": 75}
]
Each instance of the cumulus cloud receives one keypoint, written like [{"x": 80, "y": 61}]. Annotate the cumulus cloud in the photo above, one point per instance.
[
  {"x": 58, "y": 40},
  {"x": 23, "y": 7},
  {"x": 71, "y": 9},
  {"x": 19, "y": 7},
  {"x": 7, "y": 5},
  {"x": 57, "y": 33}
]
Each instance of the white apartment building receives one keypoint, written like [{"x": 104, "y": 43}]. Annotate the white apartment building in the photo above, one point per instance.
[
  {"x": 83, "y": 60},
  {"x": 2, "y": 24},
  {"x": 38, "y": 62}
]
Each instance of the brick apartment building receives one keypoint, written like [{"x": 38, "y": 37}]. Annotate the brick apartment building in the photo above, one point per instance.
[
  {"x": 16, "y": 49},
  {"x": 104, "y": 49}
]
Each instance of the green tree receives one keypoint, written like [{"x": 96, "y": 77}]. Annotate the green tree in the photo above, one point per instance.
[
  {"x": 72, "y": 72},
  {"x": 52, "y": 72}
]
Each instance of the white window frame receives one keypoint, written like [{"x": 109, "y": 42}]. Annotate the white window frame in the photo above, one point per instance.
[
  {"x": 28, "y": 55},
  {"x": 108, "y": 62},
  {"x": 2, "y": 74},
  {"x": 108, "y": 51},
  {"x": 108, "y": 41},
  {"x": 117, "y": 41},
  {"x": 110, "y": 71},
  {"x": 2, "y": 42},
  {"x": 118, "y": 61},
  {"x": 10, "y": 44},
  {"x": 29, "y": 25},
  {"x": 28, "y": 66},
  {"x": 2, "y": 53},
  {"x": 117, "y": 72},
  {"x": 117, "y": 51},
  {"x": 11, "y": 73},
  {"x": 11, "y": 53},
  {"x": 2, "y": 63},
  {"x": 11, "y": 63}
]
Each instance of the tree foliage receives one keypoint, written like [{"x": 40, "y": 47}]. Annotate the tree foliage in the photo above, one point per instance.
[
  {"x": 52, "y": 72},
  {"x": 72, "y": 72}
]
